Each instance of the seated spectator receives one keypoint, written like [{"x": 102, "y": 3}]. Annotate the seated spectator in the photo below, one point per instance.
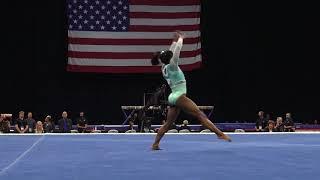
[
  {"x": 173, "y": 126},
  {"x": 315, "y": 122},
  {"x": 184, "y": 125},
  {"x": 288, "y": 123},
  {"x": 31, "y": 123},
  {"x": 39, "y": 127},
  {"x": 130, "y": 127},
  {"x": 267, "y": 118},
  {"x": 82, "y": 123},
  {"x": 279, "y": 125},
  {"x": 147, "y": 125},
  {"x": 65, "y": 124},
  {"x": 270, "y": 127},
  {"x": 21, "y": 124},
  {"x": 4, "y": 124},
  {"x": 48, "y": 125}
]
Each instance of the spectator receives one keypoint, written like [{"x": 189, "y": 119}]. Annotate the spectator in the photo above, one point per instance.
[
  {"x": 266, "y": 120},
  {"x": 147, "y": 125},
  {"x": 4, "y": 124},
  {"x": 39, "y": 127},
  {"x": 31, "y": 123},
  {"x": 315, "y": 122},
  {"x": 288, "y": 123},
  {"x": 270, "y": 127},
  {"x": 130, "y": 127},
  {"x": 173, "y": 126},
  {"x": 185, "y": 124},
  {"x": 279, "y": 125},
  {"x": 65, "y": 124},
  {"x": 260, "y": 123},
  {"x": 48, "y": 125},
  {"x": 82, "y": 123},
  {"x": 21, "y": 124},
  {"x": 133, "y": 118}
]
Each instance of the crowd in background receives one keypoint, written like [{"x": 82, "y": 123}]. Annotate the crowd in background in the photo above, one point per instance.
[
  {"x": 27, "y": 124},
  {"x": 265, "y": 123}
]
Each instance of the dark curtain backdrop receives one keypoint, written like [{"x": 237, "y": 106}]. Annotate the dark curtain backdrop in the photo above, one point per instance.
[{"x": 258, "y": 55}]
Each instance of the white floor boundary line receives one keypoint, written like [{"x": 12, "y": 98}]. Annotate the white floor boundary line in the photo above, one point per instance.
[
  {"x": 146, "y": 134},
  {"x": 4, "y": 170}
]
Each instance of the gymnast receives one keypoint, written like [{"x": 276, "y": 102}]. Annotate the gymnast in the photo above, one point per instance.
[{"x": 177, "y": 99}]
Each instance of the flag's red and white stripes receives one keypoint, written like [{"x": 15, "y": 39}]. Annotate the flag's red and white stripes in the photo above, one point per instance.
[{"x": 152, "y": 24}]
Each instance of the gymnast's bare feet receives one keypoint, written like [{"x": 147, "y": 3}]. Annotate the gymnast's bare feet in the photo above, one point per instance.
[
  {"x": 155, "y": 147},
  {"x": 224, "y": 137}
]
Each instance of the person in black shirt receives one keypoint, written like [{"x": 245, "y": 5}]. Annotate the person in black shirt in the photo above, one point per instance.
[
  {"x": 279, "y": 125},
  {"x": 132, "y": 119},
  {"x": 261, "y": 121},
  {"x": 82, "y": 123},
  {"x": 288, "y": 123},
  {"x": 48, "y": 125},
  {"x": 31, "y": 123},
  {"x": 65, "y": 124},
  {"x": 21, "y": 124},
  {"x": 4, "y": 124}
]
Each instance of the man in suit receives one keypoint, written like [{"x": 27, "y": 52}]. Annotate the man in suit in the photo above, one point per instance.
[{"x": 65, "y": 124}]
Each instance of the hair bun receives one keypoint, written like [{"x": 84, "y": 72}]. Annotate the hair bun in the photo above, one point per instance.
[{"x": 155, "y": 58}]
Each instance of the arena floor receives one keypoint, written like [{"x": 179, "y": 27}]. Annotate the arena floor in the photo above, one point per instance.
[{"x": 191, "y": 156}]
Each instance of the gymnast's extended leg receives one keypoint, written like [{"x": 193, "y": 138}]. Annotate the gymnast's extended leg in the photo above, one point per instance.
[
  {"x": 188, "y": 106},
  {"x": 171, "y": 117}
]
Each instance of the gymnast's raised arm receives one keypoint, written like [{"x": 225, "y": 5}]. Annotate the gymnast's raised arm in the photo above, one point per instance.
[{"x": 176, "y": 48}]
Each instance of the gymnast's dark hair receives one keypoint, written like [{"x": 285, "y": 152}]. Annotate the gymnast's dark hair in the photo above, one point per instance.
[
  {"x": 164, "y": 56},
  {"x": 155, "y": 58}
]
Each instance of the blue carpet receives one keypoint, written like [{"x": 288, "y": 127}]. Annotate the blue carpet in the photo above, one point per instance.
[{"x": 123, "y": 157}]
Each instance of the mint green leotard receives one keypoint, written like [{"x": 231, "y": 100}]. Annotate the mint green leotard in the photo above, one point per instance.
[{"x": 173, "y": 74}]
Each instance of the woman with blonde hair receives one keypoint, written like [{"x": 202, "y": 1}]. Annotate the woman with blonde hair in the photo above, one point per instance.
[{"x": 39, "y": 127}]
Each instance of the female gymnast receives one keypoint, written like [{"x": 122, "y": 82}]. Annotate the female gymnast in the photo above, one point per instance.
[{"x": 178, "y": 99}]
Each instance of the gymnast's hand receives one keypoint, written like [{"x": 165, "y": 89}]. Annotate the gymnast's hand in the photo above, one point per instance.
[
  {"x": 175, "y": 36},
  {"x": 180, "y": 34}
]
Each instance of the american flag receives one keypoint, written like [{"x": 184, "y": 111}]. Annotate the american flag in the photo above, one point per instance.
[{"x": 120, "y": 36}]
